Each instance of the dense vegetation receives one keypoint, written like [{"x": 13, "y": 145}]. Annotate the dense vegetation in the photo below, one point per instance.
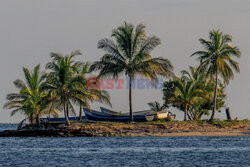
[
  {"x": 201, "y": 89},
  {"x": 64, "y": 82},
  {"x": 44, "y": 93}
]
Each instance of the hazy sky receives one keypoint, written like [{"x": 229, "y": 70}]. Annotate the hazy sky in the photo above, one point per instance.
[{"x": 31, "y": 29}]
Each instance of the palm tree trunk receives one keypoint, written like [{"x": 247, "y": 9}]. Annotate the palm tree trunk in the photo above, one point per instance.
[
  {"x": 67, "y": 105},
  {"x": 215, "y": 97},
  {"x": 185, "y": 116},
  {"x": 196, "y": 115},
  {"x": 66, "y": 114},
  {"x": 130, "y": 99},
  {"x": 80, "y": 113},
  {"x": 31, "y": 119},
  {"x": 38, "y": 120}
]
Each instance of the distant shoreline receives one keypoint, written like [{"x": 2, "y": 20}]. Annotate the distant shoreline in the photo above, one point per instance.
[{"x": 156, "y": 128}]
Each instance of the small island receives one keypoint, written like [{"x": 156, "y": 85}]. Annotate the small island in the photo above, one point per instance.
[
  {"x": 67, "y": 83},
  {"x": 136, "y": 129}
]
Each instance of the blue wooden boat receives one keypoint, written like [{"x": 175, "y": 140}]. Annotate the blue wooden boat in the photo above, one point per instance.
[
  {"x": 110, "y": 112},
  {"x": 149, "y": 114},
  {"x": 99, "y": 116}
]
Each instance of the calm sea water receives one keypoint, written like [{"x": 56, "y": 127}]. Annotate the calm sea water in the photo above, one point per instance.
[
  {"x": 141, "y": 151},
  {"x": 8, "y": 127}
]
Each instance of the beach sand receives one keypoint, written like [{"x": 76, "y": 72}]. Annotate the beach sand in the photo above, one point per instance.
[{"x": 229, "y": 133}]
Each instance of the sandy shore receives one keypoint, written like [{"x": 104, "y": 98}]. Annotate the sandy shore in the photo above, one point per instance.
[{"x": 212, "y": 134}]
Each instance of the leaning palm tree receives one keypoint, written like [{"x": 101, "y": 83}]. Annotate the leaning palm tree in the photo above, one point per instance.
[
  {"x": 62, "y": 79},
  {"x": 32, "y": 98},
  {"x": 216, "y": 58},
  {"x": 129, "y": 52}
]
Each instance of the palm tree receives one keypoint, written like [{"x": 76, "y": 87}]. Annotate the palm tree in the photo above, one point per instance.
[
  {"x": 155, "y": 106},
  {"x": 203, "y": 85},
  {"x": 186, "y": 94},
  {"x": 32, "y": 98},
  {"x": 216, "y": 58},
  {"x": 89, "y": 94},
  {"x": 129, "y": 52},
  {"x": 199, "y": 81},
  {"x": 194, "y": 75},
  {"x": 17, "y": 102},
  {"x": 194, "y": 88},
  {"x": 62, "y": 80}
]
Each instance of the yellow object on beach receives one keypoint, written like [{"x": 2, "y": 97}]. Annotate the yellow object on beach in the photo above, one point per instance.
[{"x": 162, "y": 115}]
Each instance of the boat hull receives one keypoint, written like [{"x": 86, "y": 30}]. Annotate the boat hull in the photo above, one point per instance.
[
  {"x": 98, "y": 116},
  {"x": 110, "y": 112}
]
